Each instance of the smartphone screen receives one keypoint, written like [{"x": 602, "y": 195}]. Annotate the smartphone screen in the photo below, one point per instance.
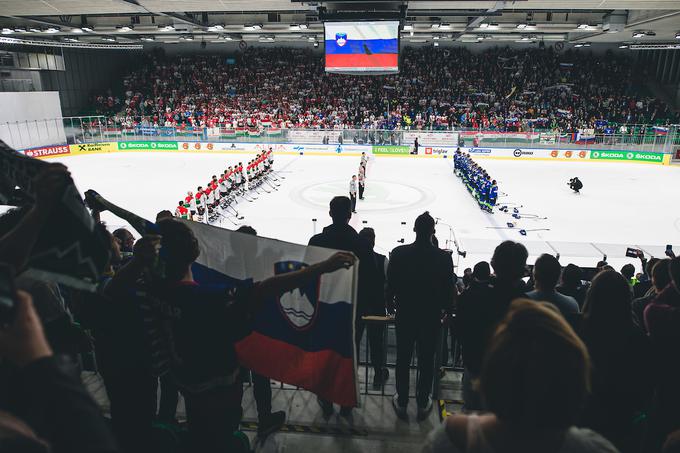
[{"x": 632, "y": 253}]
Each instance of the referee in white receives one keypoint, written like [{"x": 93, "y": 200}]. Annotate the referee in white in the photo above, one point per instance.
[{"x": 353, "y": 192}]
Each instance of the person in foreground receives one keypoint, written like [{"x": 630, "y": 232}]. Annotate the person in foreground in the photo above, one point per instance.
[{"x": 534, "y": 382}]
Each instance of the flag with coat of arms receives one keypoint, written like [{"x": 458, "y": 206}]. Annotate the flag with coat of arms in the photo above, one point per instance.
[{"x": 304, "y": 337}]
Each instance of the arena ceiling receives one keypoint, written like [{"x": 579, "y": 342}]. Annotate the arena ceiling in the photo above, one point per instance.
[{"x": 573, "y": 22}]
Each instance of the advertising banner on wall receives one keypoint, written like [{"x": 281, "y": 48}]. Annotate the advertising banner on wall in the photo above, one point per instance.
[
  {"x": 391, "y": 149},
  {"x": 640, "y": 156},
  {"x": 99, "y": 147},
  {"x": 431, "y": 138},
  {"x": 48, "y": 151},
  {"x": 297, "y": 136},
  {"x": 149, "y": 146}
]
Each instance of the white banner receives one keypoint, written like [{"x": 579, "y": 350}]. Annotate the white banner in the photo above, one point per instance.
[
  {"x": 430, "y": 138},
  {"x": 313, "y": 136}
]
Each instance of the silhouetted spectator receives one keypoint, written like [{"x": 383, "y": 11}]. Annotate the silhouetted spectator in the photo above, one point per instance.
[
  {"x": 662, "y": 318},
  {"x": 479, "y": 312},
  {"x": 54, "y": 412},
  {"x": 546, "y": 274},
  {"x": 341, "y": 236},
  {"x": 376, "y": 331},
  {"x": 660, "y": 278},
  {"x": 572, "y": 284},
  {"x": 420, "y": 285},
  {"x": 205, "y": 322},
  {"x": 620, "y": 392},
  {"x": 267, "y": 421},
  {"x": 534, "y": 380}
]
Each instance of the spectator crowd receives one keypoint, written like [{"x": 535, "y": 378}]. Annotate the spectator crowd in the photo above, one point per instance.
[
  {"x": 554, "y": 360},
  {"x": 497, "y": 89}
]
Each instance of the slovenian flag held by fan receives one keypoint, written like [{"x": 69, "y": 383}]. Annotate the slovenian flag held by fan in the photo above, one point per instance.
[
  {"x": 362, "y": 47},
  {"x": 304, "y": 337}
]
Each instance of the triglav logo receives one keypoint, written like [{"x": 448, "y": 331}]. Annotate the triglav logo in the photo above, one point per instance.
[{"x": 299, "y": 306}]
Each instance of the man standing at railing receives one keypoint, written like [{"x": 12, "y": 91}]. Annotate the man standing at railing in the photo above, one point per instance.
[{"x": 420, "y": 286}]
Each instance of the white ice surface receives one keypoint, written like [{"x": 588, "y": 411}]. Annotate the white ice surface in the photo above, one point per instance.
[{"x": 621, "y": 204}]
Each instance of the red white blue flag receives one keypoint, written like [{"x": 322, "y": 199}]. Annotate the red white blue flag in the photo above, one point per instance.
[
  {"x": 362, "y": 46},
  {"x": 304, "y": 337}
]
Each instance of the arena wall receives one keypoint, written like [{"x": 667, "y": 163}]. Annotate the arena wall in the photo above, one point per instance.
[{"x": 404, "y": 151}]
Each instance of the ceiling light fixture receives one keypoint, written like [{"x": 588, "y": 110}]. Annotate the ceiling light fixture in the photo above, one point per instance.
[
  {"x": 124, "y": 28},
  {"x": 87, "y": 29},
  {"x": 583, "y": 26},
  {"x": 638, "y": 34},
  {"x": 52, "y": 30},
  {"x": 521, "y": 26},
  {"x": 166, "y": 27},
  {"x": 35, "y": 29},
  {"x": 408, "y": 27},
  {"x": 6, "y": 31},
  {"x": 76, "y": 30},
  {"x": 483, "y": 25},
  {"x": 147, "y": 38}
]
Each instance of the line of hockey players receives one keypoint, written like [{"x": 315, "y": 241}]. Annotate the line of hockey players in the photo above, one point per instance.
[
  {"x": 476, "y": 179},
  {"x": 221, "y": 191}
]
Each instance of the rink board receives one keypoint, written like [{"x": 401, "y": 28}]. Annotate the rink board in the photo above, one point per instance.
[{"x": 541, "y": 154}]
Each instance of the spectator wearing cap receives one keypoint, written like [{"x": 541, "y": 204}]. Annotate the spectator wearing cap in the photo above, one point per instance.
[
  {"x": 420, "y": 285},
  {"x": 546, "y": 274}
]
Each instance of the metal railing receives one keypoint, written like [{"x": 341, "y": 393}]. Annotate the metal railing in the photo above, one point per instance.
[{"x": 88, "y": 129}]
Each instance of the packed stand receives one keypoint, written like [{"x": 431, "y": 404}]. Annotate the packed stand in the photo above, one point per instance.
[{"x": 498, "y": 89}]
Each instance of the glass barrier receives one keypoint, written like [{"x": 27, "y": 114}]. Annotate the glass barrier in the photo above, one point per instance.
[{"x": 88, "y": 129}]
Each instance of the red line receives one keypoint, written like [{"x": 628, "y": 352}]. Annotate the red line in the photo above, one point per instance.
[
  {"x": 362, "y": 60},
  {"x": 289, "y": 364}
]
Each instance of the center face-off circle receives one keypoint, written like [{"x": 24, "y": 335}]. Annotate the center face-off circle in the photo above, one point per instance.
[{"x": 380, "y": 196}]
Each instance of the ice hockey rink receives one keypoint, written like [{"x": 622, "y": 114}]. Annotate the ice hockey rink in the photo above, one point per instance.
[{"x": 621, "y": 205}]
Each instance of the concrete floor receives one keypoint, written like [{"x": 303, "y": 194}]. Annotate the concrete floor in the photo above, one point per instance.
[{"x": 374, "y": 427}]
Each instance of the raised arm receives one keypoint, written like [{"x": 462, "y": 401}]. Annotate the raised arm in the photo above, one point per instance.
[{"x": 279, "y": 284}]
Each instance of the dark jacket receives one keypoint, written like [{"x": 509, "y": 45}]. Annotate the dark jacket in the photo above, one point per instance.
[
  {"x": 420, "y": 276},
  {"x": 480, "y": 308},
  {"x": 344, "y": 237},
  {"x": 578, "y": 293},
  {"x": 59, "y": 409}
]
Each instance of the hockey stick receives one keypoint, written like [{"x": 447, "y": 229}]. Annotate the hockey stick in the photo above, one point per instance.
[{"x": 532, "y": 216}]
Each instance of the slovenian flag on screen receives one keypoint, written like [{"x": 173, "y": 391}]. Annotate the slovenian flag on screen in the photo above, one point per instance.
[
  {"x": 362, "y": 46},
  {"x": 305, "y": 337}
]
